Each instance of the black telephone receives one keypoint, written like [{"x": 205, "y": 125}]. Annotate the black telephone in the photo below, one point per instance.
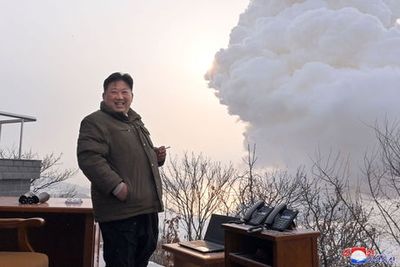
[
  {"x": 284, "y": 220},
  {"x": 259, "y": 216},
  {"x": 281, "y": 218},
  {"x": 257, "y": 213}
]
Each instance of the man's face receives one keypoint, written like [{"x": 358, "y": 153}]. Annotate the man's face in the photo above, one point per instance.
[{"x": 118, "y": 96}]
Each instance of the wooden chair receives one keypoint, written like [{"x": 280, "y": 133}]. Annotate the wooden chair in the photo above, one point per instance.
[{"x": 26, "y": 256}]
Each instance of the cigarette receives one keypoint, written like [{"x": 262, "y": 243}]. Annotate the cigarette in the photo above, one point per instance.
[{"x": 167, "y": 147}]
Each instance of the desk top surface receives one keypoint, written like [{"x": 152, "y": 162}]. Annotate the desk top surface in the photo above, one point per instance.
[
  {"x": 52, "y": 205},
  {"x": 271, "y": 234},
  {"x": 190, "y": 253}
]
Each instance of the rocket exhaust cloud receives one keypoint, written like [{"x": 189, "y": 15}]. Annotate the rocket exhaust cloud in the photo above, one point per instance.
[{"x": 308, "y": 75}]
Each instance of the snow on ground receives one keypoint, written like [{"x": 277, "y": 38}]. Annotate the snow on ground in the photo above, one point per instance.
[{"x": 103, "y": 264}]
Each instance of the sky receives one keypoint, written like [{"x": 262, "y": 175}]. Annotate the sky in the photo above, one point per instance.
[
  {"x": 293, "y": 77},
  {"x": 55, "y": 56}
]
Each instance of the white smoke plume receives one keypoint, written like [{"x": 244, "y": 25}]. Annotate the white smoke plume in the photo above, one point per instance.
[{"x": 311, "y": 75}]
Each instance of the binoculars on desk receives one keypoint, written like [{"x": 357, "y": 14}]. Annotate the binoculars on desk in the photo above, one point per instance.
[{"x": 31, "y": 198}]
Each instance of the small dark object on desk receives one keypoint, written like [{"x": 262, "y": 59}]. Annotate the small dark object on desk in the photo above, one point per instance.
[{"x": 31, "y": 198}]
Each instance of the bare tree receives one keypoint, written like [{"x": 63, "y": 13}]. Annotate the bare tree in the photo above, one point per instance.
[
  {"x": 273, "y": 187},
  {"x": 51, "y": 174},
  {"x": 12, "y": 153},
  {"x": 382, "y": 172},
  {"x": 195, "y": 187},
  {"x": 50, "y": 171},
  {"x": 330, "y": 207}
]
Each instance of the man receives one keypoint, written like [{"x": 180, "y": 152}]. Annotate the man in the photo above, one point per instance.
[{"x": 116, "y": 154}]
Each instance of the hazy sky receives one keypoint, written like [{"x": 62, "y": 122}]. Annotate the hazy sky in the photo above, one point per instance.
[
  {"x": 293, "y": 76},
  {"x": 56, "y": 54}
]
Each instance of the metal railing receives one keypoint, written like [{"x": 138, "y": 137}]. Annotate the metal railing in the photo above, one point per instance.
[{"x": 16, "y": 119}]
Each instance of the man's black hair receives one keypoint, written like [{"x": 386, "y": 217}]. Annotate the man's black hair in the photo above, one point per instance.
[{"x": 118, "y": 76}]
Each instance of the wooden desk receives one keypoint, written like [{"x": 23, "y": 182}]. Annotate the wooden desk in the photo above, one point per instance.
[
  {"x": 184, "y": 257},
  {"x": 295, "y": 248},
  {"x": 69, "y": 237}
]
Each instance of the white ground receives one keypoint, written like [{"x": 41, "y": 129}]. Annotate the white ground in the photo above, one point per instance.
[{"x": 102, "y": 263}]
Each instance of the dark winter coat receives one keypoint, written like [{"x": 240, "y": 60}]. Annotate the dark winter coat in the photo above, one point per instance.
[{"x": 113, "y": 148}]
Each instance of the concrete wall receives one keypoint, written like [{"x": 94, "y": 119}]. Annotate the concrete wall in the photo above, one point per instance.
[{"x": 15, "y": 175}]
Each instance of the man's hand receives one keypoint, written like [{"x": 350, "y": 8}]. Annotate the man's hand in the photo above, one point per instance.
[
  {"x": 161, "y": 153},
  {"x": 122, "y": 194}
]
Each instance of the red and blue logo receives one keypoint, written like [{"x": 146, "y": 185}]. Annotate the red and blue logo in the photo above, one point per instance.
[{"x": 358, "y": 255}]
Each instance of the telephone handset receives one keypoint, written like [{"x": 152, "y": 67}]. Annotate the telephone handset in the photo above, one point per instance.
[
  {"x": 281, "y": 218},
  {"x": 249, "y": 213},
  {"x": 271, "y": 217}
]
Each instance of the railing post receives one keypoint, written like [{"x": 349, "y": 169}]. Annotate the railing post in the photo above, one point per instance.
[{"x": 20, "y": 138}]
